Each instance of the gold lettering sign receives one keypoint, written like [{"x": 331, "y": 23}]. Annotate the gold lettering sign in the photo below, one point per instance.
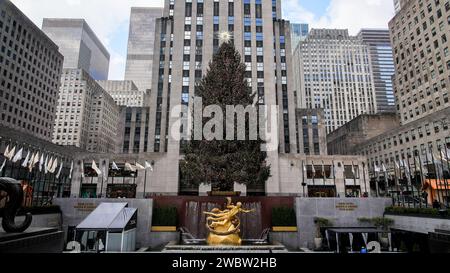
[
  {"x": 346, "y": 206},
  {"x": 85, "y": 207}
]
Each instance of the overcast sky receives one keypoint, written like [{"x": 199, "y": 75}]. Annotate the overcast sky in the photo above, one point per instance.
[{"x": 110, "y": 18}]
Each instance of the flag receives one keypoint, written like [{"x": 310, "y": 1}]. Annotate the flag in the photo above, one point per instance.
[
  {"x": 114, "y": 166},
  {"x": 3, "y": 165},
  {"x": 71, "y": 169},
  {"x": 376, "y": 168},
  {"x": 11, "y": 153},
  {"x": 353, "y": 170},
  {"x": 27, "y": 158},
  {"x": 313, "y": 169},
  {"x": 304, "y": 167},
  {"x": 148, "y": 166},
  {"x": 46, "y": 164},
  {"x": 444, "y": 156},
  {"x": 139, "y": 166},
  {"x": 50, "y": 164},
  {"x": 54, "y": 165},
  {"x": 59, "y": 171},
  {"x": 95, "y": 168},
  {"x": 6, "y": 153},
  {"x": 18, "y": 156},
  {"x": 82, "y": 169},
  {"x": 105, "y": 173},
  {"x": 128, "y": 167},
  {"x": 396, "y": 165},
  {"x": 384, "y": 168}
]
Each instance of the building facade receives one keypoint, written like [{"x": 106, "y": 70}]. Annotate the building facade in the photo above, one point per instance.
[
  {"x": 30, "y": 66},
  {"x": 380, "y": 49},
  {"x": 299, "y": 32},
  {"x": 333, "y": 72},
  {"x": 312, "y": 137},
  {"x": 87, "y": 116},
  {"x": 346, "y": 139},
  {"x": 136, "y": 130},
  {"x": 126, "y": 93},
  {"x": 79, "y": 45},
  {"x": 141, "y": 42}
]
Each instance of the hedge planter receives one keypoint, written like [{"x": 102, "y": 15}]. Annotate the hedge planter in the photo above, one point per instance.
[
  {"x": 284, "y": 229},
  {"x": 164, "y": 229}
]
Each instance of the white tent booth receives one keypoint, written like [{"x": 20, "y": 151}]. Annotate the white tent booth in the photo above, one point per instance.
[{"x": 111, "y": 227}]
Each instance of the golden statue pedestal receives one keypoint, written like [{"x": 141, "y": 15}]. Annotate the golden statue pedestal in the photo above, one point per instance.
[{"x": 223, "y": 225}]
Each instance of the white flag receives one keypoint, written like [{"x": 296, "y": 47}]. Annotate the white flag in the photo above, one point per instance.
[
  {"x": 71, "y": 169},
  {"x": 129, "y": 167},
  {"x": 384, "y": 168},
  {"x": 114, "y": 166},
  {"x": 95, "y": 168},
  {"x": 377, "y": 169},
  {"x": 105, "y": 173},
  {"x": 148, "y": 166},
  {"x": 11, "y": 153},
  {"x": 313, "y": 170},
  {"x": 27, "y": 159},
  {"x": 34, "y": 161},
  {"x": 353, "y": 170},
  {"x": 304, "y": 167},
  {"x": 396, "y": 165},
  {"x": 59, "y": 171},
  {"x": 3, "y": 165},
  {"x": 46, "y": 165},
  {"x": 50, "y": 164},
  {"x": 18, "y": 156},
  {"x": 444, "y": 156},
  {"x": 82, "y": 169},
  {"x": 54, "y": 165},
  {"x": 139, "y": 166},
  {"x": 6, "y": 153}
]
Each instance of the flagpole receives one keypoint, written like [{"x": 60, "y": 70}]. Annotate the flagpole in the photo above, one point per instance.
[
  {"x": 364, "y": 177},
  {"x": 145, "y": 182},
  {"x": 428, "y": 171},
  {"x": 377, "y": 179},
  {"x": 443, "y": 178},
  {"x": 422, "y": 180},
  {"x": 436, "y": 175},
  {"x": 397, "y": 182},
  {"x": 334, "y": 180},
  {"x": 448, "y": 162},
  {"x": 103, "y": 175},
  {"x": 303, "y": 180},
  {"x": 314, "y": 173},
  {"x": 410, "y": 180},
  {"x": 415, "y": 179}
]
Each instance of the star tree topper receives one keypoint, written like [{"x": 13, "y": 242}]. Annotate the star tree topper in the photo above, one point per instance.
[{"x": 225, "y": 36}]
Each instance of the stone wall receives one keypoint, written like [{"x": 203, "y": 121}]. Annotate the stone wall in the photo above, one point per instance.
[
  {"x": 343, "y": 212},
  {"x": 419, "y": 224},
  {"x": 75, "y": 210}
]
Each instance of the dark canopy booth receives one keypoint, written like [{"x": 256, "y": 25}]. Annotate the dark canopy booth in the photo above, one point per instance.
[{"x": 111, "y": 227}]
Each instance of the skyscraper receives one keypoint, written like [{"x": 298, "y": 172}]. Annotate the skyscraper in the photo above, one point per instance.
[
  {"x": 299, "y": 32},
  {"x": 125, "y": 93},
  {"x": 30, "y": 66},
  {"x": 333, "y": 72},
  {"x": 79, "y": 45},
  {"x": 140, "y": 46},
  {"x": 380, "y": 49}
]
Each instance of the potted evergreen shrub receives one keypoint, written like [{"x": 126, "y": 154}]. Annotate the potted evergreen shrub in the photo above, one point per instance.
[
  {"x": 284, "y": 219},
  {"x": 164, "y": 219},
  {"x": 382, "y": 223},
  {"x": 320, "y": 223}
]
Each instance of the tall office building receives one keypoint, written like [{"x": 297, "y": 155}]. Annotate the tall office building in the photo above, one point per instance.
[
  {"x": 399, "y": 4},
  {"x": 419, "y": 33},
  {"x": 30, "y": 66},
  {"x": 140, "y": 46},
  {"x": 380, "y": 49},
  {"x": 299, "y": 32},
  {"x": 79, "y": 45},
  {"x": 87, "y": 116},
  {"x": 333, "y": 72},
  {"x": 125, "y": 93}
]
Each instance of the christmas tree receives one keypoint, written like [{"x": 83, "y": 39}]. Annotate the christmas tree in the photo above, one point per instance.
[{"x": 221, "y": 163}]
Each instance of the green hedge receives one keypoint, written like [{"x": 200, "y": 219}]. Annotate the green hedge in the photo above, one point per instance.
[
  {"x": 284, "y": 217},
  {"x": 37, "y": 210},
  {"x": 428, "y": 212},
  {"x": 165, "y": 216}
]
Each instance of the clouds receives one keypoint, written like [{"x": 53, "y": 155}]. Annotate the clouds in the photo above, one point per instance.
[
  {"x": 109, "y": 19},
  {"x": 351, "y": 14}
]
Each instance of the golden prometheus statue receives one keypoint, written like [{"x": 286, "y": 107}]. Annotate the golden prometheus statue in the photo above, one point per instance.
[{"x": 224, "y": 225}]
